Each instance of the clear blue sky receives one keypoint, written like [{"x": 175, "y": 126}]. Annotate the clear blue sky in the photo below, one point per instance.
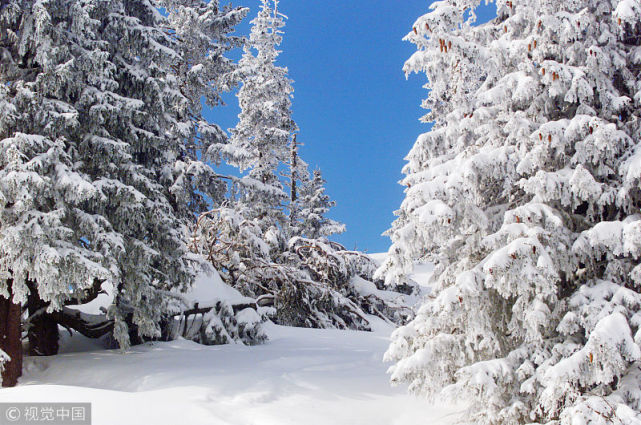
[{"x": 358, "y": 115}]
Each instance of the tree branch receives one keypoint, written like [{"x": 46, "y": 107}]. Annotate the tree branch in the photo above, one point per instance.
[
  {"x": 90, "y": 293},
  {"x": 89, "y": 325}
]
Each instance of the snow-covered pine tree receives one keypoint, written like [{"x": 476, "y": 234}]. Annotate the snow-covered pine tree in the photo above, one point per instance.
[
  {"x": 261, "y": 139},
  {"x": 200, "y": 31},
  {"x": 240, "y": 237},
  {"x": 92, "y": 153},
  {"x": 525, "y": 195},
  {"x": 312, "y": 205},
  {"x": 51, "y": 244}
]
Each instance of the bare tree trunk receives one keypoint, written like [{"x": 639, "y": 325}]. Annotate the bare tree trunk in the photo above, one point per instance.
[
  {"x": 293, "y": 176},
  {"x": 43, "y": 329},
  {"x": 11, "y": 339}
]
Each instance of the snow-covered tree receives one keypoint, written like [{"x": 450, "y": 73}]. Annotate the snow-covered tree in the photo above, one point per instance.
[
  {"x": 264, "y": 140},
  {"x": 312, "y": 206},
  {"x": 53, "y": 242},
  {"x": 99, "y": 163},
  {"x": 524, "y": 194},
  {"x": 312, "y": 283},
  {"x": 260, "y": 141},
  {"x": 200, "y": 31}
]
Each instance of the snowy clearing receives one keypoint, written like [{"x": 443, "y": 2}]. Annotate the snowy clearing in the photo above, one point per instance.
[{"x": 301, "y": 376}]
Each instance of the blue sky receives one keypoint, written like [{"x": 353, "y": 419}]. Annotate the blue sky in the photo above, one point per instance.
[{"x": 358, "y": 115}]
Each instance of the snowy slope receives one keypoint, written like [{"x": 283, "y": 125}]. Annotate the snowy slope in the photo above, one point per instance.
[{"x": 301, "y": 376}]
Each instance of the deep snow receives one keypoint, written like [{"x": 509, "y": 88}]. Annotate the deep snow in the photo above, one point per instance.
[{"x": 301, "y": 376}]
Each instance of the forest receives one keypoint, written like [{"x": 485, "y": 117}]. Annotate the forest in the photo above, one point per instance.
[{"x": 150, "y": 257}]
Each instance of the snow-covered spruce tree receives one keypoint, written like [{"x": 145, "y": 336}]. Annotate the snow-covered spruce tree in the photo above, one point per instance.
[
  {"x": 200, "y": 31},
  {"x": 249, "y": 228},
  {"x": 261, "y": 139},
  {"x": 50, "y": 244},
  {"x": 525, "y": 194},
  {"x": 94, "y": 169},
  {"x": 201, "y": 34},
  {"x": 312, "y": 205},
  {"x": 245, "y": 240}
]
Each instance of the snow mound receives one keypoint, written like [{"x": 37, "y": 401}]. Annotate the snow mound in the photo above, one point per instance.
[{"x": 209, "y": 288}]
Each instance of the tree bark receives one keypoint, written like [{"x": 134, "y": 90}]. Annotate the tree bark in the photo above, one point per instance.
[
  {"x": 89, "y": 325},
  {"x": 204, "y": 310},
  {"x": 43, "y": 331},
  {"x": 293, "y": 197},
  {"x": 11, "y": 338}
]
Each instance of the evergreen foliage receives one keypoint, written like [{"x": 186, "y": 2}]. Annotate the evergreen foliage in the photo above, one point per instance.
[
  {"x": 313, "y": 204},
  {"x": 261, "y": 139},
  {"x": 525, "y": 195},
  {"x": 101, "y": 141}
]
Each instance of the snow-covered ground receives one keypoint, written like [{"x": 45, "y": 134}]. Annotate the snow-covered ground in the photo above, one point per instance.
[{"x": 301, "y": 376}]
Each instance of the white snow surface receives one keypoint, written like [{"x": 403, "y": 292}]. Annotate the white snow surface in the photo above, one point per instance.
[
  {"x": 421, "y": 274},
  {"x": 301, "y": 376},
  {"x": 207, "y": 289},
  {"x": 378, "y": 257}
]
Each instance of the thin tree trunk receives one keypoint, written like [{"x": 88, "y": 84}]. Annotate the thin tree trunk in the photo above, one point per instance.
[
  {"x": 11, "y": 339},
  {"x": 293, "y": 177}
]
